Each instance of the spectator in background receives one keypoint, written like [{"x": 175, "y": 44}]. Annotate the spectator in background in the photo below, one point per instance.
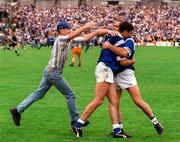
[
  {"x": 76, "y": 50},
  {"x": 159, "y": 23}
]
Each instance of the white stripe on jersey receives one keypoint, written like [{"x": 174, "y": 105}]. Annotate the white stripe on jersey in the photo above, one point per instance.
[
  {"x": 118, "y": 58},
  {"x": 128, "y": 50},
  {"x": 119, "y": 42}
]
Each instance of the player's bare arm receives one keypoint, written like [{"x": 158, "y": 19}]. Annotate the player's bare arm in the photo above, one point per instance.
[
  {"x": 78, "y": 31},
  {"x": 99, "y": 32},
  {"x": 127, "y": 62},
  {"x": 119, "y": 51}
]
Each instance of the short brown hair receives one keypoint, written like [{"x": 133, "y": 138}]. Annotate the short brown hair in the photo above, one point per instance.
[{"x": 125, "y": 26}]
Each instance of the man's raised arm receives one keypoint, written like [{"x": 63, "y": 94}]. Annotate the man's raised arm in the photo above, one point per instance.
[
  {"x": 98, "y": 32},
  {"x": 81, "y": 29}
]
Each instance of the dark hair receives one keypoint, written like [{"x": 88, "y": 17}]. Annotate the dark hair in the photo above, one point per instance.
[{"x": 125, "y": 26}]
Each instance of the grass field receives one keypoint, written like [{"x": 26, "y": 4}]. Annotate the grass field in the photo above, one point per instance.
[{"x": 158, "y": 74}]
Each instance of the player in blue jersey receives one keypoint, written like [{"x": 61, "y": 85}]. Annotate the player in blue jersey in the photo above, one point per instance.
[
  {"x": 107, "y": 66},
  {"x": 126, "y": 80}
]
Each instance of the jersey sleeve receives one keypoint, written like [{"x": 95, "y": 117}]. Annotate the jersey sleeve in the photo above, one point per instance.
[
  {"x": 63, "y": 38},
  {"x": 116, "y": 41},
  {"x": 129, "y": 46},
  {"x": 78, "y": 40}
]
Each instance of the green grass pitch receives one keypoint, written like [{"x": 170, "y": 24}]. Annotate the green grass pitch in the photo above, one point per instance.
[{"x": 158, "y": 75}]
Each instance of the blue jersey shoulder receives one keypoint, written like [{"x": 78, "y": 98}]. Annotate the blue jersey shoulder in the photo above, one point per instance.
[
  {"x": 116, "y": 40},
  {"x": 129, "y": 43}
]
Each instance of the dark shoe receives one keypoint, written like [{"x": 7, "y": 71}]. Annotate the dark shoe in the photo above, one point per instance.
[
  {"x": 18, "y": 54},
  {"x": 71, "y": 65},
  {"x": 122, "y": 132},
  {"x": 159, "y": 128},
  {"x": 16, "y": 116},
  {"x": 86, "y": 123},
  {"x": 78, "y": 132},
  {"x": 79, "y": 65},
  {"x": 111, "y": 133},
  {"x": 128, "y": 135},
  {"x": 119, "y": 135}
]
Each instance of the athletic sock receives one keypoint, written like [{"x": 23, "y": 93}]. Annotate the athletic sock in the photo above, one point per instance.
[
  {"x": 116, "y": 128},
  {"x": 154, "y": 120},
  {"x": 79, "y": 123}
]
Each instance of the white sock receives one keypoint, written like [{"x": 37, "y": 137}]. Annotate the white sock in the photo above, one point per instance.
[
  {"x": 80, "y": 121},
  {"x": 115, "y": 126},
  {"x": 154, "y": 121}
]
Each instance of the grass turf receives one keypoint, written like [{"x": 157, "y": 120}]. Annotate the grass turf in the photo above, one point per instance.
[{"x": 158, "y": 75}]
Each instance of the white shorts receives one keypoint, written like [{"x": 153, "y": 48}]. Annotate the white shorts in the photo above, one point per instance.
[
  {"x": 125, "y": 79},
  {"x": 104, "y": 73}
]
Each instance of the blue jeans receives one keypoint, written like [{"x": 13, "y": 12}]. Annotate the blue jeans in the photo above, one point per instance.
[{"x": 56, "y": 79}]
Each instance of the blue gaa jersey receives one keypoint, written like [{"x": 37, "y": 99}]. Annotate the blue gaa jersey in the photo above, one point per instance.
[
  {"x": 107, "y": 56},
  {"x": 129, "y": 45}
]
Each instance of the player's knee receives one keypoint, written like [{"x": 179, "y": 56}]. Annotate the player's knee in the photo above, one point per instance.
[
  {"x": 70, "y": 96},
  {"x": 114, "y": 103}
]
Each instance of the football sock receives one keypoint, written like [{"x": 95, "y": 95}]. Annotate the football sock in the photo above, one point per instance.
[
  {"x": 116, "y": 128},
  {"x": 154, "y": 120},
  {"x": 79, "y": 123}
]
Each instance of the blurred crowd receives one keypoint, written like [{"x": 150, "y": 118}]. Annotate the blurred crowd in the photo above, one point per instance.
[{"x": 34, "y": 24}]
